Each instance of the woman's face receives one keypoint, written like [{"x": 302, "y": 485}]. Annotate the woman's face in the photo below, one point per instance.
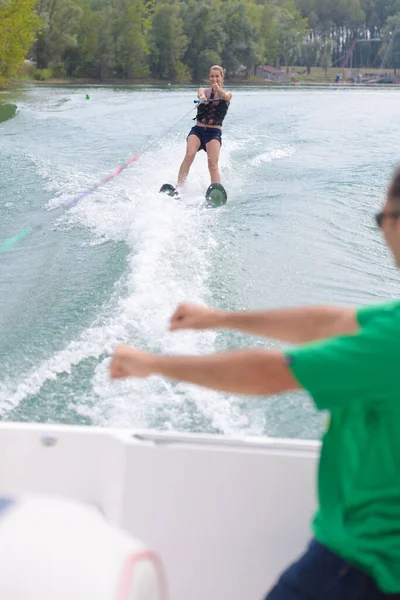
[{"x": 215, "y": 77}]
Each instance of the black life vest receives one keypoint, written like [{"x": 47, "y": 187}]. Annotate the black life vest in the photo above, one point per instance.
[{"x": 212, "y": 113}]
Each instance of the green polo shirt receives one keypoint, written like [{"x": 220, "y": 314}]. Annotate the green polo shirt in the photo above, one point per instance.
[{"x": 357, "y": 378}]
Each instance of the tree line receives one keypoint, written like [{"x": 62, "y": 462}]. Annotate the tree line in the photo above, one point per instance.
[{"x": 179, "y": 40}]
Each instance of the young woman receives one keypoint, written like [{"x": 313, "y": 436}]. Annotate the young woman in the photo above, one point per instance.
[{"x": 207, "y": 132}]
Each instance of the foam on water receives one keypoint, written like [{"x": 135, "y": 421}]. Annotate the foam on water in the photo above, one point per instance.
[
  {"x": 272, "y": 155},
  {"x": 171, "y": 245}
]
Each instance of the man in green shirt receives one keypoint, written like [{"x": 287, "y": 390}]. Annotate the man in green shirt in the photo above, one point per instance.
[{"x": 349, "y": 362}]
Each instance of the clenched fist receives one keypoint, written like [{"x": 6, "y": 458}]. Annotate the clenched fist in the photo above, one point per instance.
[
  {"x": 192, "y": 316},
  {"x": 129, "y": 362},
  {"x": 216, "y": 88}
]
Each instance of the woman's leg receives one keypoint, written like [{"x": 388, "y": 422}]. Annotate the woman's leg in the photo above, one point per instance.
[
  {"x": 213, "y": 148},
  {"x": 192, "y": 145}
]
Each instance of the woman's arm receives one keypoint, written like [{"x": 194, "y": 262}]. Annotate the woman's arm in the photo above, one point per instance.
[{"x": 224, "y": 95}]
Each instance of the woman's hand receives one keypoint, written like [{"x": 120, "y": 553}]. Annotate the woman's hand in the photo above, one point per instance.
[
  {"x": 217, "y": 90},
  {"x": 202, "y": 95},
  {"x": 222, "y": 94}
]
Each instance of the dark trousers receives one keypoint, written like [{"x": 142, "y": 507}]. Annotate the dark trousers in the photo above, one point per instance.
[{"x": 322, "y": 575}]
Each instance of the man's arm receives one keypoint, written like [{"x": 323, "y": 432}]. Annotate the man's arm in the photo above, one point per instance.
[
  {"x": 253, "y": 372},
  {"x": 294, "y": 325}
]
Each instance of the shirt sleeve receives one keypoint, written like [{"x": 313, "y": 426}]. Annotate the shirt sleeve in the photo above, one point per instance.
[
  {"x": 364, "y": 365},
  {"x": 367, "y": 313}
]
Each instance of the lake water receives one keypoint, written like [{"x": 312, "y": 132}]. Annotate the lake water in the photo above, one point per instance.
[{"x": 305, "y": 170}]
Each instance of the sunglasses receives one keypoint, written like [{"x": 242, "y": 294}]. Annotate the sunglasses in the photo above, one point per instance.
[{"x": 381, "y": 216}]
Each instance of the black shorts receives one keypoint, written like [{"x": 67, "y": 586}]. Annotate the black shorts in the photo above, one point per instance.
[{"x": 206, "y": 134}]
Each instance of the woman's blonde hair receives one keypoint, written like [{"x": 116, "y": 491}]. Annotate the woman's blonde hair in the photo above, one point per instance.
[{"x": 219, "y": 69}]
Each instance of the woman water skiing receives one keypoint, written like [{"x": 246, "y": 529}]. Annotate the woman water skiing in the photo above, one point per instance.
[{"x": 207, "y": 132}]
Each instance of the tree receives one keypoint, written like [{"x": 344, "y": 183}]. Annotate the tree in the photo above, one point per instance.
[
  {"x": 326, "y": 56},
  {"x": 242, "y": 38},
  {"x": 309, "y": 54},
  {"x": 58, "y": 33},
  {"x": 269, "y": 35},
  {"x": 292, "y": 28},
  {"x": 18, "y": 23},
  {"x": 340, "y": 21},
  {"x": 181, "y": 39},
  {"x": 204, "y": 30},
  {"x": 132, "y": 27},
  {"x": 169, "y": 42},
  {"x": 384, "y": 9},
  {"x": 390, "y": 51},
  {"x": 93, "y": 55},
  {"x": 206, "y": 59}
]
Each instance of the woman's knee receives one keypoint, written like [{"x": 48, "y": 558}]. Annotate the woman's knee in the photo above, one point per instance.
[
  {"x": 212, "y": 164},
  {"x": 190, "y": 156}
]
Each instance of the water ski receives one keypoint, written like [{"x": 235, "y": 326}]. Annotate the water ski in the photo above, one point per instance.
[
  {"x": 216, "y": 195},
  {"x": 169, "y": 189}
]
